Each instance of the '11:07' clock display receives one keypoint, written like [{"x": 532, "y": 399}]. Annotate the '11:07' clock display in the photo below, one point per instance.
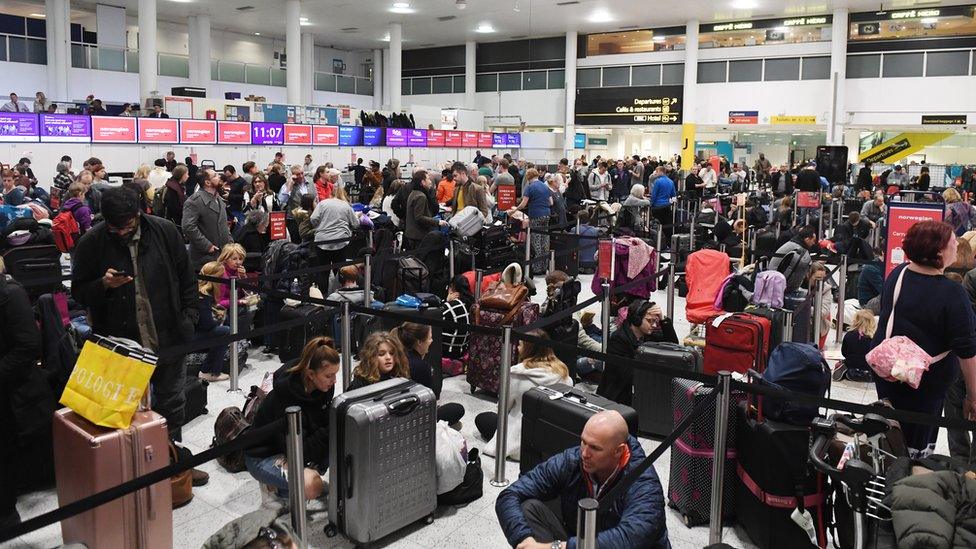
[{"x": 267, "y": 133}]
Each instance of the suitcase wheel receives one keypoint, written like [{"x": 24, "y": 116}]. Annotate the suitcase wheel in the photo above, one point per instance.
[
  {"x": 429, "y": 519},
  {"x": 331, "y": 530}
]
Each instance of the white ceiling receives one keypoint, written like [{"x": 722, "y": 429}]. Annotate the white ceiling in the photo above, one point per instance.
[{"x": 535, "y": 18}]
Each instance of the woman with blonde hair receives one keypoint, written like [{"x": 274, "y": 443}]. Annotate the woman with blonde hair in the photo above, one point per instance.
[
  {"x": 958, "y": 213},
  {"x": 211, "y": 323},
  {"x": 538, "y": 366},
  {"x": 381, "y": 357},
  {"x": 857, "y": 343},
  {"x": 231, "y": 258}
]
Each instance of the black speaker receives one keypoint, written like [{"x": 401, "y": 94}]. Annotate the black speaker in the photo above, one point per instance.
[{"x": 832, "y": 163}]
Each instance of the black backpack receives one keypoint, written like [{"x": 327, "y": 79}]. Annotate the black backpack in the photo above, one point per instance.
[{"x": 471, "y": 488}]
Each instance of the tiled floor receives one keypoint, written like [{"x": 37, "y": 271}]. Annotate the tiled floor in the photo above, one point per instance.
[{"x": 231, "y": 495}]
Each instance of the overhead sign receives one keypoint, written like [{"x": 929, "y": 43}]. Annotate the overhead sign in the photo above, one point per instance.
[
  {"x": 65, "y": 128},
  {"x": 499, "y": 140},
  {"x": 597, "y": 141},
  {"x": 485, "y": 140},
  {"x": 732, "y": 26},
  {"x": 579, "y": 141},
  {"x": 374, "y": 137},
  {"x": 640, "y": 105},
  {"x": 162, "y": 130},
  {"x": 233, "y": 133},
  {"x": 901, "y": 146},
  {"x": 298, "y": 134},
  {"x": 514, "y": 140},
  {"x": 453, "y": 139},
  {"x": 113, "y": 129},
  {"x": 793, "y": 120},
  {"x": 470, "y": 140},
  {"x": 396, "y": 137},
  {"x": 901, "y": 217},
  {"x": 435, "y": 138},
  {"x": 417, "y": 138},
  {"x": 350, "y": 136},
  {"x": 18, "y": 126},
  {"x": 201, "y": 132},
  {"x": 267, "y": 133},
  {"x": 901, "y": 15},
  {"x": 743, "y": 117},
  {"x": 945, "y": 119},
  {"x": 325, "y": 135}
]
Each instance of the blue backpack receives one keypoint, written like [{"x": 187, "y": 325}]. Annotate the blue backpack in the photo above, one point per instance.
[{"x": 795, "y": 367}]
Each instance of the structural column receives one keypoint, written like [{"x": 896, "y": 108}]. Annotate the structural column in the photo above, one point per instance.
[
  {"x": 470, "y": 74},
  {"x": 199, "y": 46},
  {"x": 147, "y": 50},
  {"x": 64, "y": 51},
  {"x": 58, "y": 58},
  {"x": 386, "y": 77},
  {"x": 837, "y": 114},
  {"x": 569, "y": 128},
  {"x": 377, "y": 79},
  {"x": 293, "y": 50},
  {"x": 690, "y": 102},
  {"x": 396, "y": 59},
  {"x": 308, "y": 67}
]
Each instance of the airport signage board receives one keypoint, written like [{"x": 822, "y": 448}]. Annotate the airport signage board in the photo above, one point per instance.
[
  {"x": 732, "y": 26},
  {"x": 945, "y": 119},
  {"x": 267, "y": 133},
  {"x": 908, "y": 14},
  {"x": 198, "y": 132},
  {"x": 435, "y": 138},
  {"x": 158, "y": 130},
  {"x": 471, "y": 140},
  {"x": 374, "y": 137},
  {"x": 499, "y": 140},
  {"x": 113, "y": 129},
  {"x": 233, "y": 133},
  {"x": 636, "y": 105},
  {"x": 325, "y": 135},
  {"x": 350, "y": 136},
  {"x": 901, "y": 217},
  {"x": 453, "y": 139},
  {"x": 19, "y": 126},
  {"x": 65, "y": 128},
  {"x": 416, "y": 138},
  {"x": 793, "y": 120},
  {"x": 514, "y": 140},
  {"x": 298, "y": 134},
  {"x": 485, "y": 140},
  {"x": 743, "y": 117},
  {"x": 396, "y": 137}
]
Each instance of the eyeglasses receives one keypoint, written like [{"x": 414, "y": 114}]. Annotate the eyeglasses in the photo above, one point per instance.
[{"x": 125, "y": 229}]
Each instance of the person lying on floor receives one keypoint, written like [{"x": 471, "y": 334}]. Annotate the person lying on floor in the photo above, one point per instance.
[{"x": 538, "y": 511}]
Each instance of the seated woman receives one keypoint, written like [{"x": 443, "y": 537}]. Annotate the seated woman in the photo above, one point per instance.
[
  {"x": 211, "y": 323},
  {"x": 538, "y": 366},
  {"x": 383, "y": 357},
  {"x": 457, "y": 309},
  {"x": 349, "y": 288},
  {"x": 309, "y": 385}
]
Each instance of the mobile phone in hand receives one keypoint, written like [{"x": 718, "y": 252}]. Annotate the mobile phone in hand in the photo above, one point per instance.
[{"x": 121, "y": 274}]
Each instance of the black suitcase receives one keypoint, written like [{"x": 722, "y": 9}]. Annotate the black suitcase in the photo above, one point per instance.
[
  {"x": 652, "y": 390},
  {"x": 776, "y": 319},
  {"x": 434, "y": 353},
  {"x": 293, "y": 340},
  {"x": 553, "y": 418},
  {"x": 36, "y": 268},
  {"x": 567, "y": 262},
  {"x": 853, "y": 205},
  {"x": 772, "y": 461},
  {"x": 195, "y": 390}
]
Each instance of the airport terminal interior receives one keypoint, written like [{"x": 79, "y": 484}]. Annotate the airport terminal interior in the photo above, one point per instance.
[{"x": 704, "y": 272}]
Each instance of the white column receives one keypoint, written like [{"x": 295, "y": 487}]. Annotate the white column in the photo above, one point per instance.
[
  {"x": 204, "y": 55},
  {"x": 688, "y": 114},
  {"x": 293, "y": 50},
  {"x": 378, "y": 80},
  {"x": 470, "y": 72},
  {"x": 193, "y": 49},
  {"x": 52, "y": 17},
  {"x": 386, "y": 77},
  {"x": 308, "y": 67},
  {"x": 63, "y": 53},
  {"x": 396, "y": 64},
  {"x": 837, "y": 114},
  {"x": 147, "y": 50},
  {"x": 569, "y": 127}
]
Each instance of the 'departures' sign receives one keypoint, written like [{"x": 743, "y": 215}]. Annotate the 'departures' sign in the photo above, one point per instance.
[{"x": 640, "y": 105}]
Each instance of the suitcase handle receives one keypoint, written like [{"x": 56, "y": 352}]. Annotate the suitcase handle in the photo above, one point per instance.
[
  {"x": 36, "y": 266},
  {"x": 403, "y": 406},
  {"x": 348, "y": 477}
]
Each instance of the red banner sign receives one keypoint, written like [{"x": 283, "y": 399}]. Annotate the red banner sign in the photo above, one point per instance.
[
  {"x": 113, "y": 129},
  {"x": 278, "y": 227},
  {"x": 159, "y": 130},
  {"x": 485, "y": 140},
  {"x": 202, "y": 132},
  {"x": 901, "y": 217},
  {"x": 298, "y": 134},
  {"x": 453, "y": 139},
  {"x": 435, "y": 138},
  {"x": 807, "y": 200},
  {"x": 506, "y": 197},
  {"x": 325, "y": 135},
  {"x": 605, "y": 259},
  {"x": 470, "y": 140},
  {"x": 233, "y": 133}
]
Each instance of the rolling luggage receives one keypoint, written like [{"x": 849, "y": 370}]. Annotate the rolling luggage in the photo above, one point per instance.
[
  {"x": 553, "y": 418},
  {"x": 293, "y": 340},
  {"x": 468, "y": 221},
  {"x": 89, "y": 459},
  {"x": 652, "y": 390},
  {"x": 801, "y": 303},
  {"x": 567, "y": 262},
  {"x": 736, "y": 343},
  {"x": 776, "y": 319},
  {"x": 382, "y": 467},
  {"x": 196, "y": 397},
  {"x": 434, "y": 353},
  {"x": 485, "y": 351},
  {"x": 36, "y": 268},
  {"x": 690, "y": 479}
]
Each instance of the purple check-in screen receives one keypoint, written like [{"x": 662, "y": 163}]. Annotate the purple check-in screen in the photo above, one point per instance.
[
  {"x": 514, "y": 139},
  {"x": 396, "y": 137},
  {"x": 65, "y": 127},
  {"x": 499, "y": 140},
  {"x": 18, "y": 126},
  {"x": 267, "y": 133},
  {"x": 417, "y": 138}
]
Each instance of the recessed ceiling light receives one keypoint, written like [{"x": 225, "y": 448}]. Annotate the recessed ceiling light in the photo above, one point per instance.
[
  {"x": 41, "y": 15},
  {"x": 658, "y": 38},
  {"x": 924, "y": 21},
  {"x": 402, "y": 7},
  {"x": 781, "y": 29},
  {"x": 257, "y": 34},
  {"x": 461, "y": 4},
  {"x": 745, "y": 4},
  {"x": 485, "y": 28},
  {"x": 601, "y": 16},
  {"x": 386, "y": 38}
]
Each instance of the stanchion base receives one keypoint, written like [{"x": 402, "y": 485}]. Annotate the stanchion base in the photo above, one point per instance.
[
  {"x": 238, "y": 390},
  {"x": 501, "y": 484}
]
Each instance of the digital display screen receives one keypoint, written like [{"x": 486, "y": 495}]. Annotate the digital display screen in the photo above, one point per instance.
[
  {"x": 203, "y": 132},
  {"x": 112, "y": 129},
  {"x": 514, "y": 139},
  {"x": 643, "y": 105},
  {"x": 579, "y": 141},
  {"x": 298, "y": 134},
  {"x": 396, "y": 137},
  {"x": 499, "y": 140},
  {"x": 267, "y": 133},
  {"x": 158, "y": 130},
  {"x": 18, "y": 126},
  {"x": 417, "y": 138},
  {"x": 453, "y": 139},
  {"x": 65, "y": 128},
  {"x": 350, "y": 136},
  {"x": 485, "y": 140},
  {"x": 325, "y": 135},
  {"x": 471, "y": 140},
  {"x": 435, "y": 138},
  {"x": 373, "y": 137},
  {"x": 233, "y": 133}
]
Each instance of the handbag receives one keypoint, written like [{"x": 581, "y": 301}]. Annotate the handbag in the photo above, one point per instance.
[
  {"x": 899, "y": 358},
  {"x": 502, "y": 297}
]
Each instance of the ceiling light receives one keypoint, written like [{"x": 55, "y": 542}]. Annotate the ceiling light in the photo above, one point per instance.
[
  {"x": 745, "y": 4},
  {"x": 41, "y": 15},
  {"x": 781, "y": 29},
  {"x": 406, "y": 9},
  {"x": 401, "y": 4},
  {"x": 658, "y": 38},
  {"x": 461, "y": 4},
  {"x": 485, "y": 28},
  {"x": 257, "y": 34},
  {"x": 601, "y": 16},
  {"x": 924, "y": 21}
]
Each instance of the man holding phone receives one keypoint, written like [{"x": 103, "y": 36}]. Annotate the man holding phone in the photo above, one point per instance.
[{"x": 645, "y": 322}]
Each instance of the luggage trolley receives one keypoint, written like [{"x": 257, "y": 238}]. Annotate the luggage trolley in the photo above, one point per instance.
[{"x": 863, "y": 482}]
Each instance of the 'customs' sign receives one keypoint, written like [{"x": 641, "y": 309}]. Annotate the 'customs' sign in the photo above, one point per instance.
[{"x": 641, "y": 105}]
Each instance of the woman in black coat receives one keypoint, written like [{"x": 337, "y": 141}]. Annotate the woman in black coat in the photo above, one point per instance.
[
  {"x": 253, "y": 236},
  {"x": 645, "y": 323},
  {"x": 20, "y": 349}
]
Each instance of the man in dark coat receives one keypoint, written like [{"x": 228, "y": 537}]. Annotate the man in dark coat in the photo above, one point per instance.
[
  {"x": 133, "y": 275},
  {"x": 645, "y": 322}
]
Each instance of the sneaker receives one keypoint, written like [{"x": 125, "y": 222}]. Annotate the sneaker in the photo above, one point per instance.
[
  {"x": 860, "y": 376},
  {"x": 840, "y": 371}
]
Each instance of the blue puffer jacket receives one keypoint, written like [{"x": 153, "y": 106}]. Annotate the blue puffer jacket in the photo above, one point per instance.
[{"x": 635, "y": 519}]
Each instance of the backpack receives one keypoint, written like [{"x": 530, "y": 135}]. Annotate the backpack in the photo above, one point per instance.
[
  {"x": 399, "y": 203},
  {"x": 770, "y": 289},
  {"x": 795, "y": 367},
  {"x": 229, "y": 425},
  {"x": 471, "y": 488},
  {"x": 66, "y": 230},
  {"x": 412, "y": 277},
  {"x": 257, "y": 396},
  {"x": 158, "y": 204},
  {"x": 736, "y": 294}
]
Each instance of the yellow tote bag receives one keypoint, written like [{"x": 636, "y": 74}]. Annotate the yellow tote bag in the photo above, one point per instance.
[{"x": 108, "y": 382}]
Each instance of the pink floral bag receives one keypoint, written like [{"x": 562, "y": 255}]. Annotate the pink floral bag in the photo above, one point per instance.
[{"x": 899, "y": 358}]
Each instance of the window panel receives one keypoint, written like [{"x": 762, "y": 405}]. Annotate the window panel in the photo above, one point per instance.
[
  {"x": 782, "y": 69},
  {"x": 406, "y": 86},
  {"x": 364, "y": 86},
  {"x": 557, "y": 79},
  {"x": 169, "y": 65},
  {"x": 347, "y": 84},
  {"x": 458, "y": 84},
  {"x": 132, "y": 64},
  {"x": 947, "y": 63},
  {"x": 588, "y": 78},
  {"x": 509, "y": 81},
  {"x": 902, "y": 64},
  {"x": 37, "y": 52},
  {"x": 486, "y": 82},
  {"x": 325, "y": 82},
  {"x": 616, "y": 76},
  {"x": 816, "y": 68},
  {"x": 3, "y": 50},
  {"x": 442, "y": 84},
  {"x": 534, "y": 80},
  {"x": 863, "y": 66},
  {"x": 745, "y": 71},
  {"x": 645, "y": 75},
  {"x": 279, "y": 77},
  {"x": 79, "y": 57},
  {"x": 257, "y": 74},
  {"x": 232, "y": 72},
  {"x": 18, "y": 49},
  {"x": 672, "y": 74},
  {"x": 712, "y": 72}
]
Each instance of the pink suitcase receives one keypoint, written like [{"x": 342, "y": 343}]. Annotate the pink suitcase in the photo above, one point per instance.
[{"x": 89, "y": 459}]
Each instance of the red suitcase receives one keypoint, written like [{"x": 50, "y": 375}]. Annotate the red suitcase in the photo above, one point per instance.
[
  {"x": 736, "y": 343},
  {"x": 89, "y": 459}
]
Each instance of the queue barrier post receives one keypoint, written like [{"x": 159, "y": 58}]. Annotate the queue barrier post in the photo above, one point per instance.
[
  {"x": 368, "y": 279},
  {"x": 694, "y": 217},
  {"x": 527, "y": 272},
  {"x": 586, "y": 523},
  {"x": 450, "y": 256},
  {"x": 605, "y": 316},
  {"x": 369, "y": 240},
  {"x": 501, "y": 436},
  {"x": 346, "y": 336},
  {"x": 841, "y": 298},
  {"x": 235, "y": 372},
  {"x": 552, "y": 260},
  {"x": 296, "y": 477},
  {"x": 820, "y": 233},
  {"x": 816, "y": 313},
  {"x": 787, "y": 325},
  {"x": 479, "y": 277},
  {"x": 672, "y": 266},
  {"x": 718, "y": 456}
]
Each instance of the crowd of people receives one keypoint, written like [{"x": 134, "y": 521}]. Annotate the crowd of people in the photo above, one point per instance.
[{"x": 92, "y": 106}]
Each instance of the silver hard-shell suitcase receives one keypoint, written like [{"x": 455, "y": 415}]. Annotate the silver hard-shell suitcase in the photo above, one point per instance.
[
  {"x": 382, "y": 470},
  {"x": 652, "y": 390}
]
